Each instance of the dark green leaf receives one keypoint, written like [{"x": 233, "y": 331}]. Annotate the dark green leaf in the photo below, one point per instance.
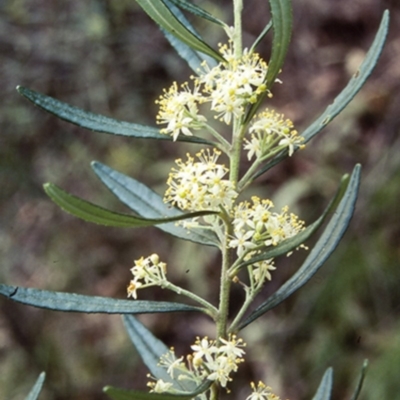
[
  {"x": 148, "y": 204},
  {"x": 35, "y": 391},
  {"x": 96, "y": 122},
  {"x": 122, "y": 394},
  {"x": 261, "y": 36},
  {"x": 326, "y": 244},
  {"x": 360, "y": 381},
  {"x": 281, "y": 12},
  {"x": 196, "y": 10},
  {"x": 347, "y": 94},
  {"x": 294, "y": 242},
  {"x": 160, "y": 13},
  {"x": 325, "y": 387},
  {"x": 72, "y": 302},
  {"x": 192, "y": 57},
  {"x": 150, "y": 350},
  {"x": 92, "y": 213}
]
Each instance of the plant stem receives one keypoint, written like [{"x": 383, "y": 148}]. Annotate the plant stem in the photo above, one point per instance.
[
  {"x": 237, "y": 36},
  {"x": 211, "y": 310}
]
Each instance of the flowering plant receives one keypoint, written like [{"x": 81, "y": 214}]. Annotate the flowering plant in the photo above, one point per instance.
[{"x": 201, "y": 202}]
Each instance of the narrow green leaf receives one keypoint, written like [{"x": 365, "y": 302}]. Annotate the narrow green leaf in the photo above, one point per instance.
[
  {"x": 347, "y": 94},
  {"x": 282, "y": 20},
  {"x": 261, "y": 36},
  {"x": 72, "y": 302},
  {"x": 325, "y": 387},
  {"x": 37, "y": 387},
  {"x": 326, "y": 244},
  {"x": 196, "y": 10},
  {"x": 160, "y": 13},
  {"x": 123, "y": 394},
  {"x": 148, "y": 204},
  {"x": 92, "y": 213},
  {"x": 290, "y": 244},
  {"x": 97, "y": 122},
  {"x": 360, "y": 381},
  {"x": 150, "y": 350},
  {"x": 192, "y": 57}
]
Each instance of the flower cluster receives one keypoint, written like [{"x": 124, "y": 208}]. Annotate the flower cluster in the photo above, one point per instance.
[
  {"x": 261, "y": 392},
  {"x": 179, "y": 110},
  {"x": 256, "y": 227},
  {"x": 149, "y": 271},
  {"x": 231, "y": 86},
  {"x": 197, "y": 186},
  {"x": 212, "y": 360},
  {"x": 271, "y": 131}
]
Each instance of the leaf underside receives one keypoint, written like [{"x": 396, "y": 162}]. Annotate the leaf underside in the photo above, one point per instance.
[
  {"x": 324, "y": 247},
  {"x": 145, "y": 202},
  {"x": 72, "y": 302}
]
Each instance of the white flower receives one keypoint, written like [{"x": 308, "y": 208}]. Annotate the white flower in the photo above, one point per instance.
[
  {"x": 179, "y": 110},
  {"x": 270, "y": 132},
  {"x": 149, "y": 271},
  {"x": 197, "y": 186},
  {"x": 261, "y": 392},
  {"x": 161, "y": 387}
]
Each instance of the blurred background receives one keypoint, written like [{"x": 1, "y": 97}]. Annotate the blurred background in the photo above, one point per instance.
[{"x": 108, "y": 57}]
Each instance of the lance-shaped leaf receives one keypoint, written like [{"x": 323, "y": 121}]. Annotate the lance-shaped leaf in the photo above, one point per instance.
[
  {"x": 196, "y": 10},
  {"x": 92, "y": 213},
  {"x": 347, "y": 94},
  {"x": 161, "y": 14},
  {"x": 360, "y": 381},
  {"x": 281, "y": 18},
  {"x": 72, "y": 302},
  {"x": 37, "y": 387},
  {"x": 281, "y": 13},
  {"x": 324, "y": 247},
  {"x": 150, "y": 350},
  {"x": 148, "y": 204},
  {"x": 122, "y": 394},
  {"x": 97, "y": 122},
  {"x": 325, "y": 387},
  {"x": 192, "y": 57},
  {"x": 289, "y": 244}
]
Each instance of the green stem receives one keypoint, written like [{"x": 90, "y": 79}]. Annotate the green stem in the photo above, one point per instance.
[
  {"x": 237, "y": 36},
  {"x": 225, "y": 286},
  {"x": 210, "y": 309}
]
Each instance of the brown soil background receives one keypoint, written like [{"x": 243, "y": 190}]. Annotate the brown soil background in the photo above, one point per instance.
[{"x": 109, "y": 58}]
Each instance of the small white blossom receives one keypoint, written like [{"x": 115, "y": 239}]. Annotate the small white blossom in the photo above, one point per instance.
[
  {"x": 271, "y": 131},
  {"x": 261, "y": 392},
  {"x": 149, "y": 271}
]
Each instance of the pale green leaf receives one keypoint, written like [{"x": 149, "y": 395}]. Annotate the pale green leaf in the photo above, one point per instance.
[
  {"x": 97, "y": 122},
  {"x": 192, "y": 57},
  {"x": 325, "y": 387},
  {"x": 37, "y": 387},
  {"x": 347, "y": 94},
  {"x": 161, "y": 14},
  {"x": 149, "y": 204},
  {"x": 324, "y": 247},
  {"x": 72, "y": 302},
  {"x": 150, "y": 350},
  {"x": 196, "y": 10}
]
